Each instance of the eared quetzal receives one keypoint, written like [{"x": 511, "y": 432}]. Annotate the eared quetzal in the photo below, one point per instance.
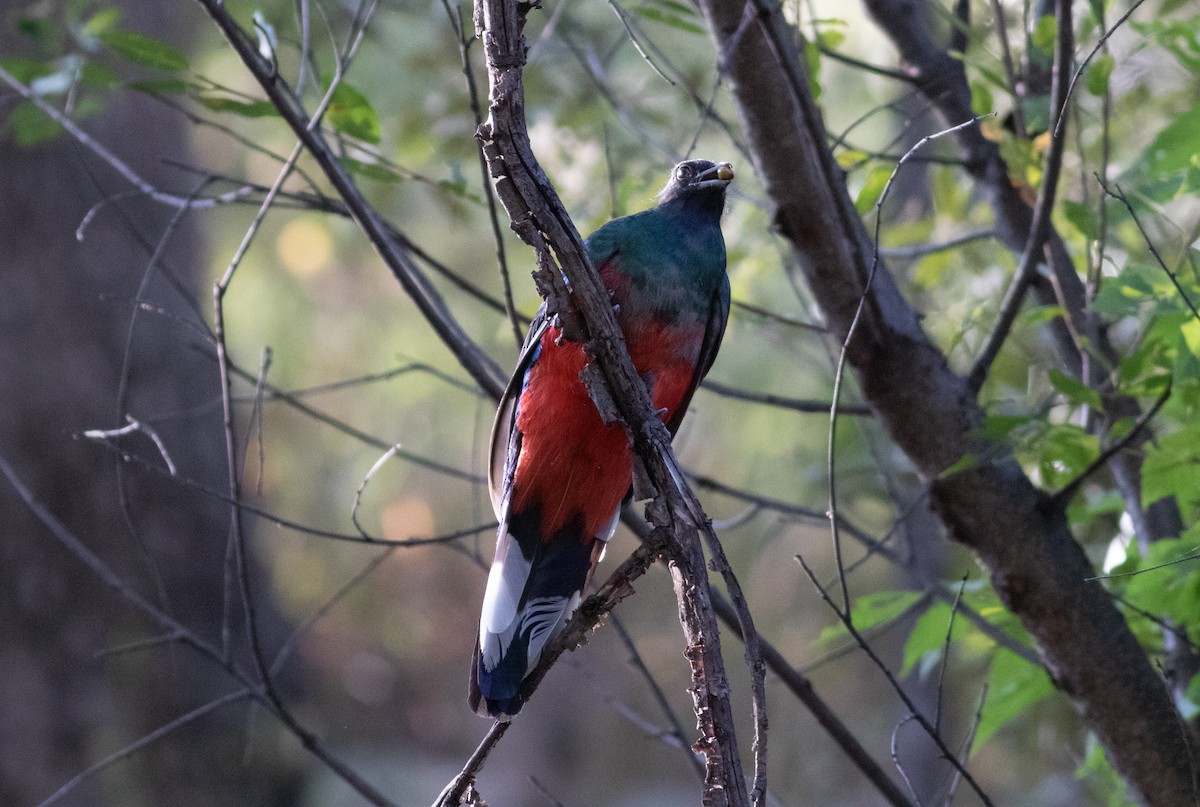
[{"x": 558, "y": 471}]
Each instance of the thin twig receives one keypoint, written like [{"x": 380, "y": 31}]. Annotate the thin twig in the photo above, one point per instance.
[
  {"x": 1063, "y": 496},
  {"x": 1039, "y": 230},
  {"x": 289, "y": 645},
  {"x": 113, "y": 161},
  {"x": 660, "y": 698},
  {"x": 1087, "y": 59},
  {"x": 292, "y": 400},
  {"x": 480, "y": 367},
  {"x": 965, "y": 754},
  {"x": 387, "y": 455},
  {"x": 783, "y": 402},
  {"x": 780, "y": 318},
  {"x": 1120, "y": 196},
  {"x": 134, "y": 425},
  {"x": 451, "y": 796},
  {"x": 1010, "y": 73},
  {"x": 279, "y": 521},
  {"x": 937, "y": 714},
  {"x": 169, "y": 624},
  {"x": 257, "y": 426},
  {"x": 896, "y": 687},
  {"x": 843, "y": 354},
  {"x": 135, "y": 646},
  {"x": 893, "y": 746},
  {"x": 800, "y": 686},
  {"x": 636, "y": 44},
  {"x": 145, "y": 740},
  {"x": 464, "y": 46},
  {"x": 921, "y": 250},
  {"x": 239, "y": 569},
  {"x": 858, "y": 64}
]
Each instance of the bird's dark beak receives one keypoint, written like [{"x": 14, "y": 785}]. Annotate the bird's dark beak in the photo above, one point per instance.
[{"x": 720, "y": 175}]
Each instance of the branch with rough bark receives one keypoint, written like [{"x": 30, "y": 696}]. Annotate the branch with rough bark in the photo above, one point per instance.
[
  {"x": 1080, "y": 336},
  {"x": 539, "y": 218},
  {"x": 481, "y": 368},
  {"x": 1035, "y": 564}
]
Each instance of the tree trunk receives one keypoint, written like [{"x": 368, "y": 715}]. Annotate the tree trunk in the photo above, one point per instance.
[
  {"x": 65, "y": 313},
  {"x": 1035, "y": 564}
]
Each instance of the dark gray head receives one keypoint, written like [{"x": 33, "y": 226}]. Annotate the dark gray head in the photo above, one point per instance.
[{"x": 698, "y": 180}]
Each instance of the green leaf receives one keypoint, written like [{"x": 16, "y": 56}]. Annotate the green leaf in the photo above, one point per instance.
[
  {"x": 1040, "y": 314},
  {"x": 1170, "y": 584},
  {"x": 681, "y": 9},
  {"x": 370, "y": 170},
  {"x": 41, "y": 31},
  {"x": 1108, "y": 785},
  {"x": 1036, "y": 109},
  {"x": 881, "y": 607},
  {"x": 459, "y": 188},
  {"x": 982, "y": 102},
  {"x": 812, "y": 63},
  {"x": 26, "y": 70},
  {"x": 30, "y": 125},
  {"x": 1193, "y": 692},
  {"x": 247, "y": 109},
  {"x": 1123, "y": 295},
  {"x": 968, "y": 460},
  {"x": 1076, "y": 391},
  {"x": 1179, "y": 37},
  {"x": 872, "y": 189},
  {"x": 1064, "y": 451},
  {"x": 1098, "y": 74},
  {"x": 872, "y": 610},
  {"x": 1085, "y": 510},
  {"x": 1082, "y": 217},
  {"x": 143, "y": 50},
  {"x": 849, "y": 158},
  {"x": 1174, "y": 146},
  {"x": 1191, "y": 178},
  {"x": 351, "y": 113},
  {"x": 165, "y": 85},
  {"x": 1191, "y": 336},
  {"x": 831, "y": 39},
  {"x": 101, "y": 22},
  {"x": 999, "y": 427},
  {"x": 1014, "y": 686},
  {"x": 1045, "y": 31},
  {"x": 666, "y": 18},
  {"x": 1172, "y": 467},
  {"x": 928, "y": 637},
  {"x": 98, "y": 76}
]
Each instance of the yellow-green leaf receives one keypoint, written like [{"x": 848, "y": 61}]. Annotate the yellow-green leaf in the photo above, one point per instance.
[
  {"x": 351, "y": 113},
  {"x": 143, "y": 50},
  {"x": 1098, "y": 74}
]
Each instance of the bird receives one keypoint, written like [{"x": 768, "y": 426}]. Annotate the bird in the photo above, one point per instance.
[{"x": 558, "y": 473}]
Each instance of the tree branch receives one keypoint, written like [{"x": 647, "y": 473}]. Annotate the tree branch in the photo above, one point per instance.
[
  {"x": 172, "y": 626},
  {"x": 1035, "y": 564},
  {"x": 586, "y": 315},
  {"x": 481, "y": 368}
]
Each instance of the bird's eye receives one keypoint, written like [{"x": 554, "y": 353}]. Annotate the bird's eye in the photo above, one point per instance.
[{"x": 684, "y": 172}]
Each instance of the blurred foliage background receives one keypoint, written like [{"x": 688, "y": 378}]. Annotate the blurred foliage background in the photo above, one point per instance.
[{"x": 352, "y": 368}]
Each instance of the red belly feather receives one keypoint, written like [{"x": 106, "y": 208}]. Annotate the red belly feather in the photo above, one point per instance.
[{"x": 571, "y": 462}]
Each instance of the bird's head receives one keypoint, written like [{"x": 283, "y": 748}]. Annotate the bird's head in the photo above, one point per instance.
[{"x": 698, "y": 179}]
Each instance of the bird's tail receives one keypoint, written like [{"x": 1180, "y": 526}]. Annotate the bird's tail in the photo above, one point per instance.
[{"x": 532, "y": 589}]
